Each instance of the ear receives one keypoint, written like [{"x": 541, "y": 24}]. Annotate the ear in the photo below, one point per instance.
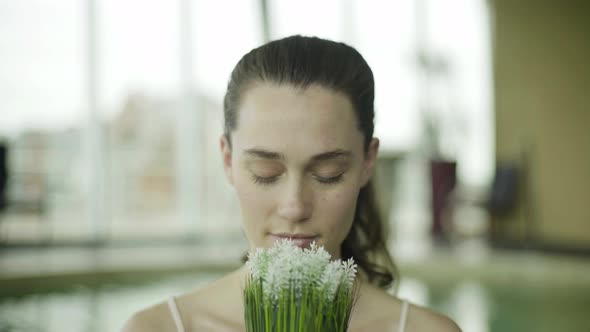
[
  {"x": 226, "y": 157},
  {"x": 370, "y": 160}
]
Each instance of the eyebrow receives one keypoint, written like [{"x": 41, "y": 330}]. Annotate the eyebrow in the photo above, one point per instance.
[
  {"x": 260, "y": 153},
  {"x": 329, "y": 155}
]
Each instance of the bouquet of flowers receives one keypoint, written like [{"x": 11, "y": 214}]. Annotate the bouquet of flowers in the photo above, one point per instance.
[{"x": 292, "y": 289}]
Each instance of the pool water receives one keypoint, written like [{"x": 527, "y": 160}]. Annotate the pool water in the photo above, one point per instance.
[
  {"x": 99, "y": 308},
  {"x": 476, "y": 307},
  {"x": 493, "y": 308}
]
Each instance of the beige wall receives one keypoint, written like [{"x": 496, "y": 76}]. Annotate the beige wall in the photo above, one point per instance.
[{"x": 542, "y": 87}]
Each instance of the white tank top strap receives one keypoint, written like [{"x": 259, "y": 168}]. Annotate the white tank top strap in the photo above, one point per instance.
[
  {"x": 403, "y": 316},
  {"x": 175, "y": 314}
]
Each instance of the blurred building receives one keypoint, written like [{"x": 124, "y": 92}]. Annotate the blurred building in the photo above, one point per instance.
[{"x": 48, "y": 173}]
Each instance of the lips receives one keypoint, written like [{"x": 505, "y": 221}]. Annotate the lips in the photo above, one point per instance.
[{"x": 300, "y": 240}]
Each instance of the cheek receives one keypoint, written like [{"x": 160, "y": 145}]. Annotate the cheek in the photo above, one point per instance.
[
  {"x": 250, "y": 194},
  {"x": 255, "y": 204},
  {"x": 339, "y": 209}
]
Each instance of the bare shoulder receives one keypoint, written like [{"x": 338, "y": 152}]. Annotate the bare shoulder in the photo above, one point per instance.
[
  {"x": 151, "y": 319},
  {"x": 381, "y": 311},
  {"x": 218, "y": 292},
  {"x": 212, "y": 307},
  {"x": 423, "y": 319}
]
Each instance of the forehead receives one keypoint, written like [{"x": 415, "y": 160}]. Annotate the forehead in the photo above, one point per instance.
[{"x": 280, "y": 116}]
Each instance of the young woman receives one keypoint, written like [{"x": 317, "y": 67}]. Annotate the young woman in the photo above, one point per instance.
[{"x": 299, "y": 150}]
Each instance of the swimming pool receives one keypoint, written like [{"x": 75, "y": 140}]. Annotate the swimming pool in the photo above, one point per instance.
[{"x": 477, "y": 306}]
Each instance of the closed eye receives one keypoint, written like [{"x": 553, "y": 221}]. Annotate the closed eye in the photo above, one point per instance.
[
  {"x": 268, "y": 180},
  {"x": 329, "y": 180},
  {"x": 264, "y": 180}
]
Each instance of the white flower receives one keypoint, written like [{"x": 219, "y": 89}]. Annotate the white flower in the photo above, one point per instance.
[
  {"x": 285, "y": 267},
  {"x": 330, "y": 280}
]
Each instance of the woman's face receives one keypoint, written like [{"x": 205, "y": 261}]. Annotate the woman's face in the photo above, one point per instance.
[{"x": 297, "y": 164}]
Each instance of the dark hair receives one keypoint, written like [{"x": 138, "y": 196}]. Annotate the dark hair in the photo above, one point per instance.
[{"x": 303, "y": 61}]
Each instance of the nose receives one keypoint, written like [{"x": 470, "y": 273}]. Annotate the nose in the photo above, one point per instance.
[{"x": 295, "y": 203}]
